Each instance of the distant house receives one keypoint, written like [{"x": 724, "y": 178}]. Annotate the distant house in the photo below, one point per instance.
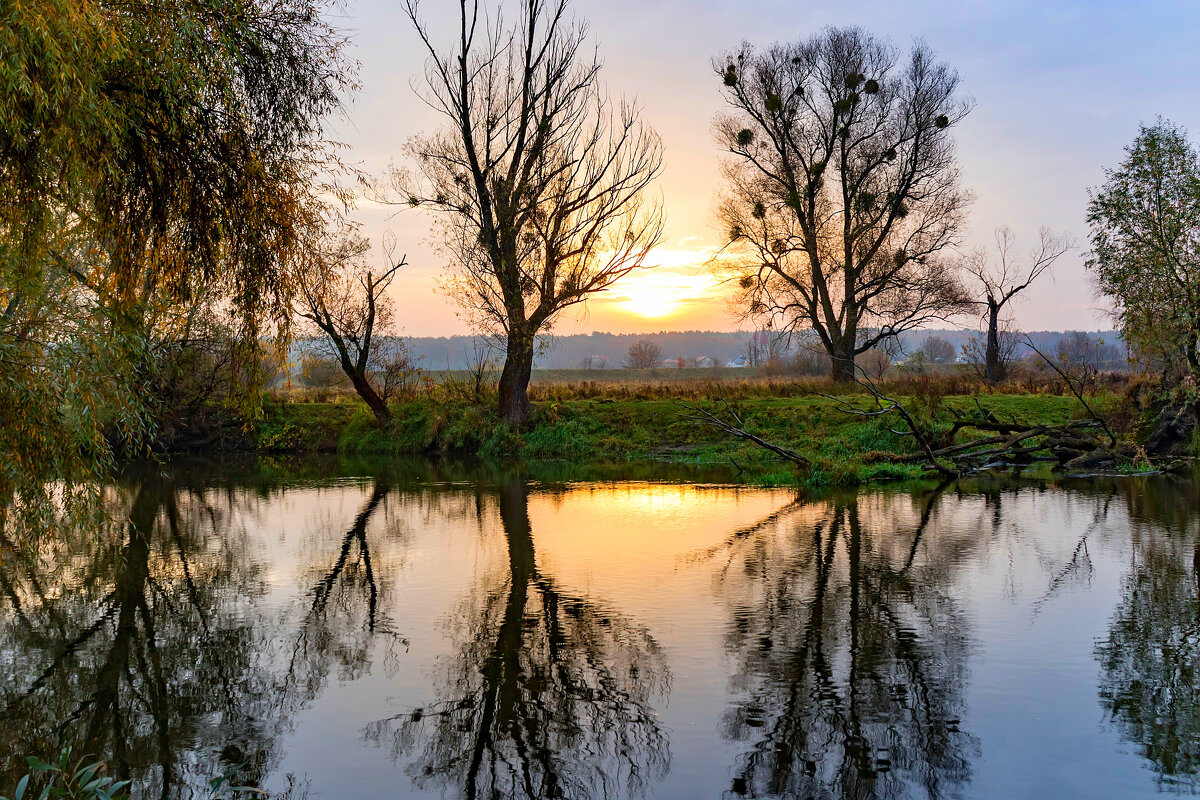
[
  {"x": 740, "y": 361},
  {"x": 704, "y": 362}
]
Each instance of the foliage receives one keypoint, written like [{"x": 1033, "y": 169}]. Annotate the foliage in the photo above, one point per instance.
[
  {"x": 537, "y": 181},
  {"x": 157, "y": 162},
  {"x": 1145, "y": 235},
  {"x": 842, "y": 188},
  {"x": 71, "y": 779}
]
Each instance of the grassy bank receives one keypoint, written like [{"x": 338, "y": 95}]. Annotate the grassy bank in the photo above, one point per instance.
[{"x": 844, "y": 449}]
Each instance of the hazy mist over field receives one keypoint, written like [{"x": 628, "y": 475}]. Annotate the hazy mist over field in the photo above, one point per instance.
[{"x": 605, "y": 350}]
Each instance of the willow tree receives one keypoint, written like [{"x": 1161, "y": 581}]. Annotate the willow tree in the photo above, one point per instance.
[
  {"x": 156, "y": 160},
  {"x": 539, "y": 180},
  {"x": 842, "y": 189}
]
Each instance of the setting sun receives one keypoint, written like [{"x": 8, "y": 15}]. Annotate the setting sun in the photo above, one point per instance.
[
  {"x": 679, "y": 278},
  {"x": 661, "y": 295}
]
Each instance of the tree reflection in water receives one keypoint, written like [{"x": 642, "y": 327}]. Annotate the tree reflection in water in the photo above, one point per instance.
[
  {"x": 850, "y": 661},
  {"x": 548, "y": 696},
  {"x": 342, "y": 619},
  {"x": 1150, "y": 660},
  {"x": 126, "y": 647},
  {"x": 143, "y": 645}
]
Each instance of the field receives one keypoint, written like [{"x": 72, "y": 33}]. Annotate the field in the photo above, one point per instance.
[{"x": 639, "y": 418}]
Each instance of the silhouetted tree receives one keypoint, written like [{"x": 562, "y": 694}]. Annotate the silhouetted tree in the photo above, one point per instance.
[
  {"x": 763, "y": 348},
  {"x": 343, "y": 621},
  {"x": 850, "y": 661},
  {"x": 1082, "y": 351},
  {"x": 643, "y": 354},
  {"x": 137, "y": 640},
  {"x": 539, "y": 180},
  {"x": 937, "y": 350},
  {"x": 548, "y": 696},
  {"x": 842, "y": 190},
  {"x": 345, "y": 300},
  {"x": 1001, "y": 279}
]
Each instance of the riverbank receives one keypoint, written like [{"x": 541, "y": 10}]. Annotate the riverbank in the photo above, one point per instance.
[{"x": 843, "y": 449}]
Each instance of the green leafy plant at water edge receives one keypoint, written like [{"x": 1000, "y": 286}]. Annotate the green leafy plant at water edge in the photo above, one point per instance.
[
  {"x": 72, "y": 779},
  {"x": 69, "y": 779}
]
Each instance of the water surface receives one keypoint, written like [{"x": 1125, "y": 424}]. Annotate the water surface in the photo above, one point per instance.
[{"x": 413, "y": 630}]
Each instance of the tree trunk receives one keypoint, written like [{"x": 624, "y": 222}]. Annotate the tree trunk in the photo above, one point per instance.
[
  {"x": 993, "y": 367},
  {"x": 841, "y": 361},
  {"x": 367, "y": 392},
  {"x": 514, "y": 379}
]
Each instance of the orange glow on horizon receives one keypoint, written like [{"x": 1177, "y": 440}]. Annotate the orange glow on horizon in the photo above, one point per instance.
[{"x": 678, "y": 279}]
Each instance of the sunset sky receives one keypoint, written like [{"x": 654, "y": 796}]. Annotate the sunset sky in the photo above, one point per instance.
[{"x": 1060, "y": 88}]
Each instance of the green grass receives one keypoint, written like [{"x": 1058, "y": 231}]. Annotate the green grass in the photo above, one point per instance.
[
  {"x": 304, "y": 427},
  {"x": 843, "y": 449}
]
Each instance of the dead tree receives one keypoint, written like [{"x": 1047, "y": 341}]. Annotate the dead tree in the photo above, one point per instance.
[
  {"x": 538, "y": 181},
  {"x": 1002, "y": 278},
  {"x": 345, "y": 300}
]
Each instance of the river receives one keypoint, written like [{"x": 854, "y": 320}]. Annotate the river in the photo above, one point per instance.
[{"x": 408, "y": 629}]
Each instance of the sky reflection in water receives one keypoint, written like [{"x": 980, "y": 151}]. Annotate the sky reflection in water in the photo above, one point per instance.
[{"x": 413, "y": 630}]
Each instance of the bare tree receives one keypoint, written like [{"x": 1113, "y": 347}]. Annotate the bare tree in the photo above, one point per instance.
[
  {"x": 643, "y": 354},
  {"x": 1010, "y": 349},
  {"x": 344, "y": 299},
  {"x": 1083, "y": 354},
  {"x": 763, "y": 348},
  {"x": 937, "y": 350},
  {"x": 842, "y": 190},
  {"x": 540, "y": 179},
  {"x": 874, "y": 363},
  {"x": 1002, "y": 278}
]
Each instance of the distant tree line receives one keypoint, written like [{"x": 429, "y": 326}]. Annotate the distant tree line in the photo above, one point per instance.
[{"x": 314, "y": 361}]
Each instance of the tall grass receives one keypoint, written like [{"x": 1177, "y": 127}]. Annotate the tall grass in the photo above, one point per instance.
[{"x": 664, "y": 384}]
